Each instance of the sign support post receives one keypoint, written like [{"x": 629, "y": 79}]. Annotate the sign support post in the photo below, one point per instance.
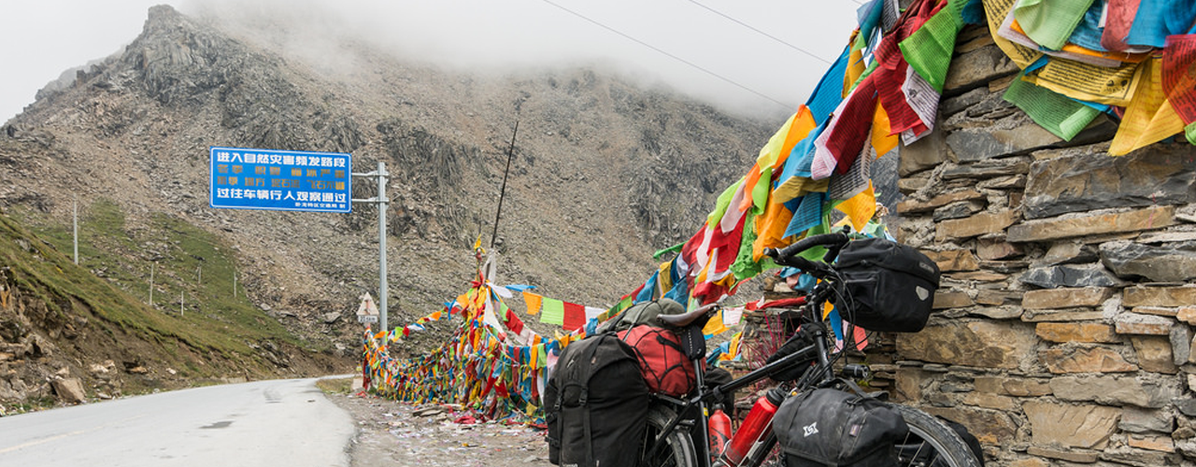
[{"x": 381, "y": 201}]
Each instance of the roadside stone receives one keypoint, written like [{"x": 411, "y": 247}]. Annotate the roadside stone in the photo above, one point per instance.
[
  {"x": 979, "y": 224},
  {"x": 1087, "y": 224},
  {"x": 1066, "y": 297},
  {"x": 925, "y": 153},
  {"x": 1077, "y": 332},
  {"x": 997, "y": 312},
  {"x": 957, "y": 210},
  {"x": 989, "y": 168},
  {"x": 1083, "y": 457},
  {"x": 1084, "y": 359},
  {"x": 1068, "y": 275},
  {"x": 990, "y": 401},
  {"x": 951, "y": 299},
  {"x": 1012, "y": 134},
  {"x": 1150, "y": 391},
  {"x": 1159, "y": 296},
  {"x": 912, "y": 184},
  {"x": 1167, "y": 236},
  {"x": 1161, "y": 174},
  {"x": 1140, "y": 457},
  {"x": 979, "y": 276},
  {"x": 984, "y": 344},
  {"x": 953, "y": 105},
  {"x": 1133, "y": 323},
  {"x": 1077, "y": 426},
  {"x": 1154, "y": 354},
  {"x": 1023, "y": 387},
  {"x": 910, "y": 382},
  {"x": 1153, "y": 443},
  {"x": 1187, "y": 447},
  {"x": 989, "y": 426},
  {"x": 976, "y": 69},
  {"x": 69, "y": 390},
  {"x": 1140, "y": 420},
  {"x": 1063, "y": 315},
  {"x": 1180, "y": 339},
  {"x": 1004, "y": 183},
  {"x": 1069, "y": 253},
  {"x": 1186, "y": 406},
  {"x": 1005, "y": 267},
  {"x": 1156, "y": 263},
  {"x": 994, "y": 248},
  {"x": 1030, "y": 462},
  {"x": 1157, "y": 311},
  {"x": 996, "y": 297},
  {"x": 954, "y": 260}
]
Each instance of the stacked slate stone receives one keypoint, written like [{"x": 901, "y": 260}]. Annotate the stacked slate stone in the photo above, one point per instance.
[{"x": 1063, "y": 328}]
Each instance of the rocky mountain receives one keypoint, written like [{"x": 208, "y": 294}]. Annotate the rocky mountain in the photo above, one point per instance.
[{"x": 605, "y": 171}]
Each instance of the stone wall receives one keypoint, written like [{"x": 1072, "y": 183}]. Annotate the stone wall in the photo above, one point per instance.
[{"x": 1062, "y": 333}]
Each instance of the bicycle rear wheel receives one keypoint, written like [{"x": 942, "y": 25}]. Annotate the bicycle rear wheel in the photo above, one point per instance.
[
  {"x": 678, "y": 449},
  {"x": 931, "y": 443}
]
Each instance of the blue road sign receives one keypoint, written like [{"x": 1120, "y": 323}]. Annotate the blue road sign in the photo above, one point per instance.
[{"x": 281, "y": 180}]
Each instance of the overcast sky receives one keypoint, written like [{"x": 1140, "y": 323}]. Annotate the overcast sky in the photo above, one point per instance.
[{"x": 747, "y": 54}]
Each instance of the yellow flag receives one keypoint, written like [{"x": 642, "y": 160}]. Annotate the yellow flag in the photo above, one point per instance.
[
  {"x": 715, "y": 325},
  {"x": 882, "y": 141},
  {"x": 860, "y": 208},
  {"x": 1150, "y": 117}
]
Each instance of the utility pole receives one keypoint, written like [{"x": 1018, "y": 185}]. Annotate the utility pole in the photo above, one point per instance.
[
  {"x": 383, "y": 290},
  {"x": 153, "y": 266},
  {"x": 75, "y": 223}
]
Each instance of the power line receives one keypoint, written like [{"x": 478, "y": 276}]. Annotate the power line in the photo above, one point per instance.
[
  {"x": 765, "y": 34},
  {"x": 667, "y": 54}
]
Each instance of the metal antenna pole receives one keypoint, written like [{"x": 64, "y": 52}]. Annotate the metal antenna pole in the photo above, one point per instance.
[{"x": 502, "y": 193}]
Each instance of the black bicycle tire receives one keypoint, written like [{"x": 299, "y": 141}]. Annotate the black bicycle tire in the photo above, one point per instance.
[
  {"x": 939, "y": 436},
  {"x": 677, "y": 443}
]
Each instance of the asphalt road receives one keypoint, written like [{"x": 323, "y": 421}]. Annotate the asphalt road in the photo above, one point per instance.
[{"x": 265, "y": 423}]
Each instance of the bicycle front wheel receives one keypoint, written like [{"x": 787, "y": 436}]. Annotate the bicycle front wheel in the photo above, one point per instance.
[
  {"x": 678, "y": 449},
  {"x": 931, "y": 443}
]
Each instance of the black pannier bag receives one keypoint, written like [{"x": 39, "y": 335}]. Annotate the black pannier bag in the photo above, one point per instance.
[
  {"x": 595, "y": 404},
  {"x": 832, "y": 428},
  {"x": 891, "y": 285}
]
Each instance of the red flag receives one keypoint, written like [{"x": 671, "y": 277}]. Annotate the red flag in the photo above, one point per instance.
[
  {"x": 575, "y": 316},
  {"x": 513, "y": 322}
]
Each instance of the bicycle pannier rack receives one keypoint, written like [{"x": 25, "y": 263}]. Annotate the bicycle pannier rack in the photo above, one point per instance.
[
  {"x": 891, "y": 285},
  {"x": 832, "y": 428},
  {"x": 596, "y": 403}
]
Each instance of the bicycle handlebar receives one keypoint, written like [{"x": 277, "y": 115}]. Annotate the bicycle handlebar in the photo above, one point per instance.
[{"x": 788, "y": 256}]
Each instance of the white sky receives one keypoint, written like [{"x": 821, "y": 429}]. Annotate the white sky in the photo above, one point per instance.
[{"x": 41, "y": 39}]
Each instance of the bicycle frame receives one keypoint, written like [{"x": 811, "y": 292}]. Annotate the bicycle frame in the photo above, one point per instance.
[{"x": 818, "y": 374}]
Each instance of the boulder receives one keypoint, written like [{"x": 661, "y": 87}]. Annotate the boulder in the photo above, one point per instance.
[{"x": 69, "y": 390}]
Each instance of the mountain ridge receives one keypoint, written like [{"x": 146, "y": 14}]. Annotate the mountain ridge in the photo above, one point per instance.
[{"x": 604, "y": 172}]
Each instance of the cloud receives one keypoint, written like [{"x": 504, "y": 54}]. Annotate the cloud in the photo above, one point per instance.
[{"x": 690, "y": 45}]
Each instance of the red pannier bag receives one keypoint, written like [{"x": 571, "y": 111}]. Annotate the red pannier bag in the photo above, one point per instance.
[{"x": 662, "y": 360}]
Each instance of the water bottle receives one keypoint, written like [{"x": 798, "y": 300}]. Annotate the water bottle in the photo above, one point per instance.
[
  {"x": 755, "y": 426},
  {"x": 720, "y": 430}
]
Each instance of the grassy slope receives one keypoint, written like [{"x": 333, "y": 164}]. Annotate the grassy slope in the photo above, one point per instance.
[{"x": 215, "y": 325}]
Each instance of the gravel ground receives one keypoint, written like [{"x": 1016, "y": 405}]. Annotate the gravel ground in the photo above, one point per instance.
[{"x": 392, "y": 433}]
